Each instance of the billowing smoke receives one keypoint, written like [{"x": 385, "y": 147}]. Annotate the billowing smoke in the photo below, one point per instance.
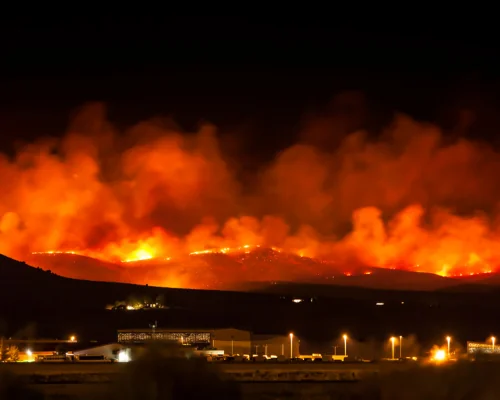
[{"x": 406, "y": 199}]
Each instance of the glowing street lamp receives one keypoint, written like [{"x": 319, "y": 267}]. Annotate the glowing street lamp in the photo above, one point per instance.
[
  {"x": 393, "y": 339},
  {"x": 72, "y": 339},
  {"x": 401, "y": 347},
  {"x": 448, "y": 339},
  {"x": 493, "y": 343},
  {"x": 345, "y": 345},
  {"x": 291, "y": 345}
]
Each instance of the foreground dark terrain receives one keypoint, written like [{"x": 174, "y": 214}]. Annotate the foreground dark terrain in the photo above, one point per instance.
[
  {"x": 156, "y": 375},
  {"x": 38, "y": 303}
]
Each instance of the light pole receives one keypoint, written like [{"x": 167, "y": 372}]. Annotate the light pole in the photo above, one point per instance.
[
  {"x": 153, "y": 329},
  {"x": 401, "y": 347},
  {"x": 392, "y": 340},
  {"x": 448, "y": 339},
  {"x": 291, "y": 345},
  {"x": 232, "y": 345},
  {"x": 493, "y": 343},
  {"x": 345, "y": 345}
]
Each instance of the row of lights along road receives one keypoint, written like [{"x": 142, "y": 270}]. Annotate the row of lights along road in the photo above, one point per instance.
[{"x": 393, "y": 340}]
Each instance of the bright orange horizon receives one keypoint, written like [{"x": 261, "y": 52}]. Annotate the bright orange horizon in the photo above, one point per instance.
[{"x": 406, "y": 201}]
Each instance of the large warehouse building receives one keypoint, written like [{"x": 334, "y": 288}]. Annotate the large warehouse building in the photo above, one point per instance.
[
  {"x": 475, "y": 348},
  {"x": 232, "y": 341}
]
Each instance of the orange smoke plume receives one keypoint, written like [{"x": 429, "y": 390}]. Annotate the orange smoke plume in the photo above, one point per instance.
[{"x": 406, "y": 201}]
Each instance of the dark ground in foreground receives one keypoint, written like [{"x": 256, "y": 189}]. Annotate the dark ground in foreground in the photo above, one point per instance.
[
  {"x": 249, "y": 391},
  {"x": 116, "y": 368},
  {"x": 460, "y": 381}
]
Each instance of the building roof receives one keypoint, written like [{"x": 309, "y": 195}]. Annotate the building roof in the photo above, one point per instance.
[
  {"x": 177, "y": 330},
  {"x": 110, "y": 346},
  {"x": 37, "y": 346},
  {"x": 268, "y": 337}
]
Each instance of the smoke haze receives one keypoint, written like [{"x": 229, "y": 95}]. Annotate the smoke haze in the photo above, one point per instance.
[{"x": 405, "y": 199}]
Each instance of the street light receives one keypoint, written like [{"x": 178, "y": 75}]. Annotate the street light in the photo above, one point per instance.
[
  {"x": 401, "y": 347},
  {"x": 345, "y": 345},
  {"x": 448, "y": 339},
  {"x": 493, "y": 343},
  {"x": 393, "y": 339},
  {"x": 291, "y": 345}
]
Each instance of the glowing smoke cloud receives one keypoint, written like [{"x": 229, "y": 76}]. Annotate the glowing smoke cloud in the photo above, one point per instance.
[{"x": 154, "y": 191}]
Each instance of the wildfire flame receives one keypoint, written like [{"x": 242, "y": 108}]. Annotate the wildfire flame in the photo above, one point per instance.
[{"x": 156, "y": 193}]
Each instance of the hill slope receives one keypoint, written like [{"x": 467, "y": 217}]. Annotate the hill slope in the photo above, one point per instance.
[
  {"x": 232, "y": 271},
  {"x": 60, "y": 306}
]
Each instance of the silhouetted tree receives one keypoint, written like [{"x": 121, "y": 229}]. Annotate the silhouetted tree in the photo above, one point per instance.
[{"x": 13, "y": 354}]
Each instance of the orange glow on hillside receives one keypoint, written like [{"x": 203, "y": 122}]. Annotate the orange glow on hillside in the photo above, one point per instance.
[{"x": 406, "y": 200}]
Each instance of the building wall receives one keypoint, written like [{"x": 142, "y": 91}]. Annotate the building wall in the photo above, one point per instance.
[
  {"x": 486, "y": 348},
  {"x": 183, "y": 335},
  {"x": 231, "y": 334},
  {"x": 233, "y": 347},
  {"x": 232, "y": 341},
  {"x": 24, "y": 357},
  {"x": 142, "y": 336}
]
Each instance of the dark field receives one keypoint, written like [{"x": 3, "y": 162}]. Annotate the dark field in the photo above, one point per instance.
[
  {"x": 249, "y": 391},
  {"x": 113, "y": 368},
  {"x": 462, "y": 381}
]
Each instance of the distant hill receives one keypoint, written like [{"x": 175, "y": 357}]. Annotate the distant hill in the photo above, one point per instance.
[
  {"x": 77, "y": 267},
  {"x": 21, "y": 282},
  {"x": 55, "y": 304},
  {"x": 388, "y": 279},
  {"x": 234, "y": 270}
]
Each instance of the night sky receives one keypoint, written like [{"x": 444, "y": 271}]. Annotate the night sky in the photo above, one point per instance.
[{"x": 254, "y": 76}]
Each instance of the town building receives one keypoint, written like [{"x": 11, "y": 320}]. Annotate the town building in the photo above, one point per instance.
[
  {"x": 231, "y": 341},
  {"x": 478, "y": 349}
]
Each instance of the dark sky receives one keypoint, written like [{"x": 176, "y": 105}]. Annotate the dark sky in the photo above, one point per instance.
[{"x": 261, "y": 74}]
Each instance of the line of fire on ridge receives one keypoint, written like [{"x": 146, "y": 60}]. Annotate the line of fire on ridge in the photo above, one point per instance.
[{"x": 144, "y": 255}]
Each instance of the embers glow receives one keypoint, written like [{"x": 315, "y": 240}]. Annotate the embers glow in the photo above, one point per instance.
[
  {"x": 224, "y": 250},
  {"x": 54, "y": 252},
  {"x": 139, "y": 255},
  {"x": 145, "y": 252}
]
